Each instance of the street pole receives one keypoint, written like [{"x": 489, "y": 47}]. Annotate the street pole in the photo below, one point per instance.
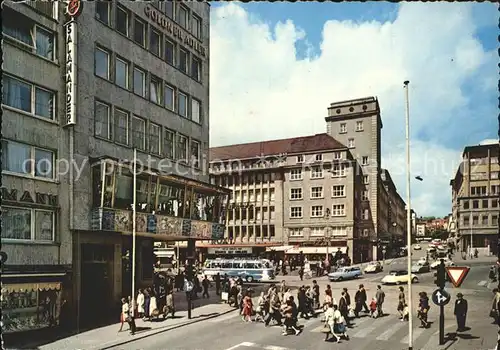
[
  {"x": 408, "y": 219},
  {"x": 470, "y": 227},
  {"x": 132, "y": 256},
  {"x": 441, "y": 307}
]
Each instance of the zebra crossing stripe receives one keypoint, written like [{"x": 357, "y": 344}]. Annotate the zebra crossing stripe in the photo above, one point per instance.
[
  {"x": 391, "y": 331},
  {"x": 376, "y": 323},
  {"x": 417, "y": 332},
  {"x": 482, "y": 283}
]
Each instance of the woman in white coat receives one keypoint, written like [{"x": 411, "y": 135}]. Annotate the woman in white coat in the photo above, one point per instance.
[
  {"x": 140, "y": 303},
  {"x": 153, "y": 307}
]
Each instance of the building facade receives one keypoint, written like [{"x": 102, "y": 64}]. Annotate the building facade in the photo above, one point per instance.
[
  {"x": 328, "y": 189},
  {"x": 85, "y": 84},
  {"x": 475, "y": 193}
]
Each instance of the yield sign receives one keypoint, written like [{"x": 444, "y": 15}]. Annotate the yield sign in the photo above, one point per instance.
[{"x": 457, "y": 274}]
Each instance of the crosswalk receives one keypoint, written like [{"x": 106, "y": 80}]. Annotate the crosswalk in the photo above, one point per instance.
[{"x": 487, "y": 284}]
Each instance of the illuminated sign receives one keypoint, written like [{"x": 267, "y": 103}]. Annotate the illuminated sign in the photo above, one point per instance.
[
  {"x": 174, "y": 30},
  {"x": 73, "y": 9}
]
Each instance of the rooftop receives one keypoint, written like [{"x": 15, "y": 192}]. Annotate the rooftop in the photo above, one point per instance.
[
  {"x": 303, "y": 144},
  {"x": 479, "y": 151}
]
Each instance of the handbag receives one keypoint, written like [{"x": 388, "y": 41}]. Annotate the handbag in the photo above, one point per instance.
[
  {"x": 351, "y": 313},
  {"x": 326, "y": 328},
  {"x": 493, "y": 313}
]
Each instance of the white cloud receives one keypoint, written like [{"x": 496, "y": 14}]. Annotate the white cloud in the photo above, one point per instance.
[{"x": 260, "y": 90}]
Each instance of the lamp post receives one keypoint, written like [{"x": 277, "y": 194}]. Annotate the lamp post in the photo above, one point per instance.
[
  {"x": 134, "y": 213},
  {"x": 408, "y": 217},
  {"x": 327, "y": 236}
]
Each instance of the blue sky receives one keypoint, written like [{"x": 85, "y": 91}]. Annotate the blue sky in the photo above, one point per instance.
[{"x": 288, "y": 61}]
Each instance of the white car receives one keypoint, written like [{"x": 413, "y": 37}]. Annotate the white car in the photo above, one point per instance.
[
  {"x": 422, "y": 261},
  {"x": 374, "y": 267},
  {"x": 398, "y": 277},
  {"x": 417, "y": 247},
  {"x": 447, "y": 262}
]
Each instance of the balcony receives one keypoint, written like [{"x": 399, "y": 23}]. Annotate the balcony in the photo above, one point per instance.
[{"x": 168, "y": 207}]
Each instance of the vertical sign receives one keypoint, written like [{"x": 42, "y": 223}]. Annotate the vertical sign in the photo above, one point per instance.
[{"x": 73, "y": 9}]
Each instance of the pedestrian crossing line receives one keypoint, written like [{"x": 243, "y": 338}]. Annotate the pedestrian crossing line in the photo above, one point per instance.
[
  {"x": 254, "y": 345},
  {"x": 392, "y": 330},
  {"x": 417, "y": 332},
  {"x": 482, "y": 283},
  {"x": 367, "y": 330}
]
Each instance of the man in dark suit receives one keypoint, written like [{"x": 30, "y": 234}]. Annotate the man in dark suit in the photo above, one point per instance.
[{"x": 460, "y": 312}]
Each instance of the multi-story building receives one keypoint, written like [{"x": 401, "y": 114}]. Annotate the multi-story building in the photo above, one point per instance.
[
  {"x": 327, "y": 187},
  {"x": 475, "y": 193},
  {"x": 84, "y": 84}
]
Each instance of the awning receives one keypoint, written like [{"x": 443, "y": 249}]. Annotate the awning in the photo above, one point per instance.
[
  {"x": 316, "y": 250},
  {"x": 282, "y": 248},
  {"x": 165, "y": 253},
  {"x": 9, "y": 288}
]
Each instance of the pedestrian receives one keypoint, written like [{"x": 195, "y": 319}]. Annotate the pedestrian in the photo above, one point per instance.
[
  {"x": 460, "y": 312},
  {"x": 301, "y": 273},
  {"x": 287, "y": 295},
  {"x": 344, "y": 308},
  {"x": 239, "y": 299},
  {"x": 261, "y": 307},
  {"x": 274, "y": 308},
  {"x": 217, "y": 284},
  {"x": 347, "y": 297},
  {"x": 423, "y": 311},
  {"x": 123, "y": 314},
  {"x": 282, "y": 289},
  {"x": 360, "y": 300},
  {"x": 126, "y": 311},
  {"x": 380, "y": 296},
  {"x": 302, "y": 297},
  {"x": 401, "y": 303},
  {"x": 169, "y": 304},
  {"x": 495, "y": 307},
  {"x": 147, "y": 300},
  {"x": 153, "y": 306},
  {"x": 140, "y": 303},
  {"x": 290, "y": 320},
  {"x": 316, "y": 294},
  {"x": 373, "y": 308},
  {"x": 205, "y": 283}
]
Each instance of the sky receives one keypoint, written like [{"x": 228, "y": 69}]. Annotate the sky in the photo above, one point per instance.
[{"x": 276, "y": 67}]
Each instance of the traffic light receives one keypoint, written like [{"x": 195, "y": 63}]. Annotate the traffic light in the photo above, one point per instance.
[
  {"x": 189, "y": 272},
  {"x": 440, "y": 276}
]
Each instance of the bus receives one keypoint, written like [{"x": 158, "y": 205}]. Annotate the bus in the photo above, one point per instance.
[{"x": 248, "y": 269}]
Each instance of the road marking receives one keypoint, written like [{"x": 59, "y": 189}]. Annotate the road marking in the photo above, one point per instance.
[
  {"x": 417, "y": 332},
  {"x": 391, "y": 331},
  {"x": 254, "y": 345},
  {"x": 482, "y": 283},
  {"x": 365, "y": 331}
]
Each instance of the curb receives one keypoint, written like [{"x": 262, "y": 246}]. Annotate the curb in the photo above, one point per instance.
[{"x": 166, "y": 329}]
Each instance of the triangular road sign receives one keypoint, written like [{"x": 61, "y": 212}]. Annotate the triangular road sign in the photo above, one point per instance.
[{"x": 457, "y": 274}]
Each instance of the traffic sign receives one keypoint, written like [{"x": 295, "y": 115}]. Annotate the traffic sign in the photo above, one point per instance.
[
  {"x": 189, "y": 286},
  {"x": 457, "y": 274},
  {"x": 440, "y": 297}
]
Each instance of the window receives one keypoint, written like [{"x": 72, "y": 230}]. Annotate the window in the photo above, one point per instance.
[
  {"x": 168, "y": 143},
  {"x": 364, "y": 196},
  {"x": 139, "y": 133},
  {"x": 102, "y": 120},
  {"x": 102, "y": 63},
  {"x": 296, "y": 174},
  {"x": 154, "y": 42},
  {"x": 316, "y": 192},
  {"x": 183, "y": 16},
  {"x": 182, "y": 147},
  {"x": 170, "y": 52},
  {"x": 169, "y": 97},
  {"x": 102, "y": 11},
  {"x": 120, "y": 121},
  {"x": 195, "y": 153},
  {"x": 485, "y": 204},
  {"x": 316, "y": 173},
  {"x": 300, "y": 159},
  {"x": 475, "y": 220},
  {"x": 366, "y": 214},
  {"x": 139, "y": 32},
  {"x": 183, "y": 60},
  {"x": 295, "y": 232},
  {"x": 338, "y": 231},
  {"x": 366, "y": 179},
  {"x": 343, "y": 128},
  {"x": 495, "y": 189},
  {"x": 296, "y": 193},
  {"x": 122, "y": 18},
  {"x": 169, "y": 8},
  {"x": 338, "y": 170},
  {"x": 182, "y": 107},
  {"x": 364, "y": 160},
  {"x": 494, "y": 220},
  {"x": 317, "y": 211},
  {"x": 350, "y": 143},
  {"x": 195, "y": 68},
  {"x": 296, "y": 212},
  {"x": 27, "y": 34},
  {"x": 27, "y": 224},
  {"x": 121, "y": 73},
  {"x": 319, "y": 157},
  {"x": 359, "y": 125},
  {"x": 494, "y": 203},
  {"x": 484, "y": 220},
  {"x": 196, "y": 26},
  {"x": 317, "y": 231},
  {"x": 338, "y": 191},
  {"x": 466, "y": 204},
  {"x": 27, "y": 160},
  {"x": 338, "y": 210},
  {"x": 195, "y": 110},
  {"x": 466, "y": 220},
  {"x": 337, "y": 155},
  {"x": 27, "y": 97},
  {"x": 139, "y": 82},
  {"x": 155, "y": 90},
  {"x": 154, "y": 138},
  {"x": 475, "y": 204}
]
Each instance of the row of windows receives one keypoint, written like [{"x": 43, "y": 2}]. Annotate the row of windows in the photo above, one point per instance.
[
  {"x": 317, "y": 231},
  {"x": 153, "y": 39},
  {"x": 359, "y": 127},
  {"x": 318, "y": 157},
  {"x": 136, "y": 80},
  {"x": 243, "y": 196},
  {"x": 316, "y": 192},
  {"x": 26, "y": 224},
  {"x": 251, "y": 214},
  {"x": 251, "y": 231},
  {"x": 486, "y": 220},
  {"x": 296, "y": 212},
  {"x": 27, "y": 160},
  {"x": 485, "y": 204},
  {"x": 120, "y": 126},
  {"x": 246, "y": 179},
  {"x": 338, "y": 170}
]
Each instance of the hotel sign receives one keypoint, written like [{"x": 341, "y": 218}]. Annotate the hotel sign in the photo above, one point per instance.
[
  {"x": 73, "y": 10},
  {"x": 174, "y": 30},
  {"x": 229, "y": 250}
]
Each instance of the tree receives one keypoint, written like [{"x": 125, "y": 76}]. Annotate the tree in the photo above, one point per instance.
[{"x": 440, "y": 234}]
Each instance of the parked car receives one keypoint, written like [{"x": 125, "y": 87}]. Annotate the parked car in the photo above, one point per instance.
[
  {"x": 447, "y": 262},
  {"x": 417, "y": 247},
  {"x": 398, "y": 277},
  {"x": 374, "y": 267},
  {"x": 421, "y": 268},
  {"x": 345, "y": 273}
]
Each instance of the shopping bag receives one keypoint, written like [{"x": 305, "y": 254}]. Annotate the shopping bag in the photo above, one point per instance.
[
  {"x": 225, "y": 296},
  {"x": 351, "y": 313}
]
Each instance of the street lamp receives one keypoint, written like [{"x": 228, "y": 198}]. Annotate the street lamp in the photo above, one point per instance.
[
  {"x": 327, "y": 236},
  {"x": 408, "y": 218}
]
